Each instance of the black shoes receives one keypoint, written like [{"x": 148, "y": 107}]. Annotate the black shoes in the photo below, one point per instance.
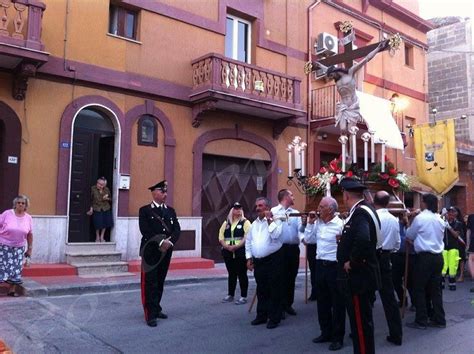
[
  {"x": 152, "y": 322},
  {"x": 436, "y": 324},
  {"x": 258, "y": 321},
  {"x": 290, "y": 311},
  {"x": 335, "y": 346},
  {"x": 394, "y": 340},
  {"x": 415, "y": 325},
  {"x": 321, "y": 339},
  {"x": 162, "y": 315},
  {"x": 271, "y": 324}
]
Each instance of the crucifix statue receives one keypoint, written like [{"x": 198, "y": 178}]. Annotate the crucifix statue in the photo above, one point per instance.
[{"x": 347, "y": 110}]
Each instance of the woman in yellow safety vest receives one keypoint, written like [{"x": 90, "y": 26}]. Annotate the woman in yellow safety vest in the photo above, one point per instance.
[{"x": 232, "y": 238}]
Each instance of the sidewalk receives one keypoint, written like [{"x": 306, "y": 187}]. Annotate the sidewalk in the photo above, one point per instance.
[{"x": 53, "y": 285}]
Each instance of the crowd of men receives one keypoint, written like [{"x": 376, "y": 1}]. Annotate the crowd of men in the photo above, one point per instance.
[{"x": 351, "y": 260}]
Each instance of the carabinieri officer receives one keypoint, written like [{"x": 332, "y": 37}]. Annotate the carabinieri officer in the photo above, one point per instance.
[
  {"x": 358, "y": 269},
  {"x": 160, "y": 230}
]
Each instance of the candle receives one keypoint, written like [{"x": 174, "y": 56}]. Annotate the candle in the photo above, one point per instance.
[
  {"x": 328, "y": 189},
  {"x": 353, "y": 130},
  {"x": 343, "y": 141},
  {"x": 382, "y": 162},
  {"x": 372, "y": 146},
  {"x": 365, "y": 138},
  {"x": 290, "y": 170},
  {"x": 303, "y": 161},
  {"x": 297, "y": 158}
]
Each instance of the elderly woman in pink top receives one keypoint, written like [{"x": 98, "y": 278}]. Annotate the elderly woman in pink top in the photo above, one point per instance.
[{"x": 15, "y": 234}]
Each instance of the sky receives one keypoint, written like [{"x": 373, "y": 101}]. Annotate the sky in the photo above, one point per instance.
[{"x": 440, "y": 8}]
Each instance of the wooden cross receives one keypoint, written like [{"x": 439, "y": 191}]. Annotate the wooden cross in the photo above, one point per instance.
[{"x": 349, "y": 54}]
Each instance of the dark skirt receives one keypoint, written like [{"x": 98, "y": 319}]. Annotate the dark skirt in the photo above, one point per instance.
[{"x": 102, "y": 219}]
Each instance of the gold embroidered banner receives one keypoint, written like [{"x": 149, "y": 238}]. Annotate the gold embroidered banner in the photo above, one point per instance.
[{"x": 436, "y": 158}]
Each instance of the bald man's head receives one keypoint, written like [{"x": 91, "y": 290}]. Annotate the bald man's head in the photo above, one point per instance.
[{"x": 381, "y": 199}]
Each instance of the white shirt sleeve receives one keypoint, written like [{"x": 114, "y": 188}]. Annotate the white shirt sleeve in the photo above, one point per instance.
[
  {"x": 248, "y": 243},
  {"x": 310, "y": 233}
]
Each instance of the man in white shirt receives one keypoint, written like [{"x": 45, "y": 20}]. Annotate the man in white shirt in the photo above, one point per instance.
[
  {"x": 389, "y": 242},
  {"x": 265, "y": 256},
  {"x": 427, "y": 231},
  {"x": 290, "y": 248},
  {"x": 331, "y": 310}
]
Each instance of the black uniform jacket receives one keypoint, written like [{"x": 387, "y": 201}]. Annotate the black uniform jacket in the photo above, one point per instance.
[
  {"x": 151, "y": 227},
  {"x": 357, "y": 245}
]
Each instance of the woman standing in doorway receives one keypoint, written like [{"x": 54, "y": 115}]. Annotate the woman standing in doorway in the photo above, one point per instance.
[
  {"x": 101, "y": 210},
  {"x": 15, "y": 233},
  {"x": 232, "y": 238}
]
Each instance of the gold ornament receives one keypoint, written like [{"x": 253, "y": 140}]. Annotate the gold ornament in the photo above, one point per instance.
[
  {"x": 394, "y": 43},
  {"x": 345, "y": 27},
  {"x": 308, "y": 67}
]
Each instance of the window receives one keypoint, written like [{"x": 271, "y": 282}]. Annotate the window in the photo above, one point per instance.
[
  {"x": 123, "y": 22},
  {"x": 147, "y": 131},
  {"x": 237, "y": 39},
  {"x": 409, "y": 60}
]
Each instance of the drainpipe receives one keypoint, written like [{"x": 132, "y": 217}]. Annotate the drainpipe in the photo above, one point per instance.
[{"x": 308, "y": 84}]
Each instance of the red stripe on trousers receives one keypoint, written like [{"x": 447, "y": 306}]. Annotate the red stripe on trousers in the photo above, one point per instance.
[
  {"x": 142, "y": 286},
  {"x": 358, "y": 319}
]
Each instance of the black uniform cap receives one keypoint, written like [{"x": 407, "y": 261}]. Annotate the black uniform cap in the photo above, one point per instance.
[
  {"x": 163, "y": 186},
  {"x": 237, "y": 205},
  {"x": 351, "y": 184}
]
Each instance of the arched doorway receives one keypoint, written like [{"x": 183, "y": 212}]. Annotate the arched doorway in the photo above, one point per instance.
[
  {"x": 10, "y": 150},
  {"x": 93, "y": 156}
]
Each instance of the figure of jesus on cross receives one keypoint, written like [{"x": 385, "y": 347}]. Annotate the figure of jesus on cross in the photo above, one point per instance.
[{"x": 347, "y": 109}]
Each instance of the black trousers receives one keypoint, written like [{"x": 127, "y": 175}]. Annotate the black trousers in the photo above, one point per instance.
[
  {"x": 398, "y": 274},
  {"x": 153, "y": 276},
  {"x": 237, "y": 268},
  {"x": 268, "y": 276},
  {"x": 291, "y": 264},
  {"x": 359, "y": 309},
  {"x": 330, "y": 302},
  {"x": 311, "y": 256},
  {"x": 387, "y": 295},
  {"x": 426, "y": 280}
]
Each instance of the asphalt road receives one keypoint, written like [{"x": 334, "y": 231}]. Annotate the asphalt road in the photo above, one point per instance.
[{"x": 199, "y": 323}]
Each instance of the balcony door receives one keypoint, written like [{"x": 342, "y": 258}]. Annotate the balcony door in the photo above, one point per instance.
[
  {"x": 92, "y": 157},
  {"x": 238, "y": 39},
  {"x": 227, "y": 180}
]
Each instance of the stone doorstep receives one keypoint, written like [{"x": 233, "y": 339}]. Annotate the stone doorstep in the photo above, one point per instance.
[
  {"x": 87, "y": 247},
  {"x": 91, "y": 257},
  {"x": 100, "y": 267}
]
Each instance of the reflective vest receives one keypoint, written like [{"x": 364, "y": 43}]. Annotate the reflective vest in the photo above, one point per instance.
[{"x": 234, "y": 237}]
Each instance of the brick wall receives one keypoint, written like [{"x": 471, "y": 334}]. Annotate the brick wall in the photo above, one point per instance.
[{"x": 450, "y": 65}]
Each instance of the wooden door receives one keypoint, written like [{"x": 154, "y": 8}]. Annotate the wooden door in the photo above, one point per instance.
[
  {"x": 227, "y": 180},
  {"x": 81, "y": 182}
]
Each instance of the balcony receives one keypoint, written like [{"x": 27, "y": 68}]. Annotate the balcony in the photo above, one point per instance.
[
  {"x": 21, "y": 49},
  {"x": 220, "y": 83},
  {"x": 323, "y": 106}
]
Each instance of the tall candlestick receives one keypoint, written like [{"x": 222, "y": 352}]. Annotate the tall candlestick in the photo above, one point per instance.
[
  {"x": 382, "y": 158},
  {"x": 328, "y": 189},
  {"x": 290, "y": 170},
  {"x": 353, "y": 130},
  {"x": 303, "y": 161},
  {"x": 365, "y": 138},
  {"x": 343, "y": 140},
  {"x": 297, "y": 158},
  {"x": 372, "y": 146}
]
